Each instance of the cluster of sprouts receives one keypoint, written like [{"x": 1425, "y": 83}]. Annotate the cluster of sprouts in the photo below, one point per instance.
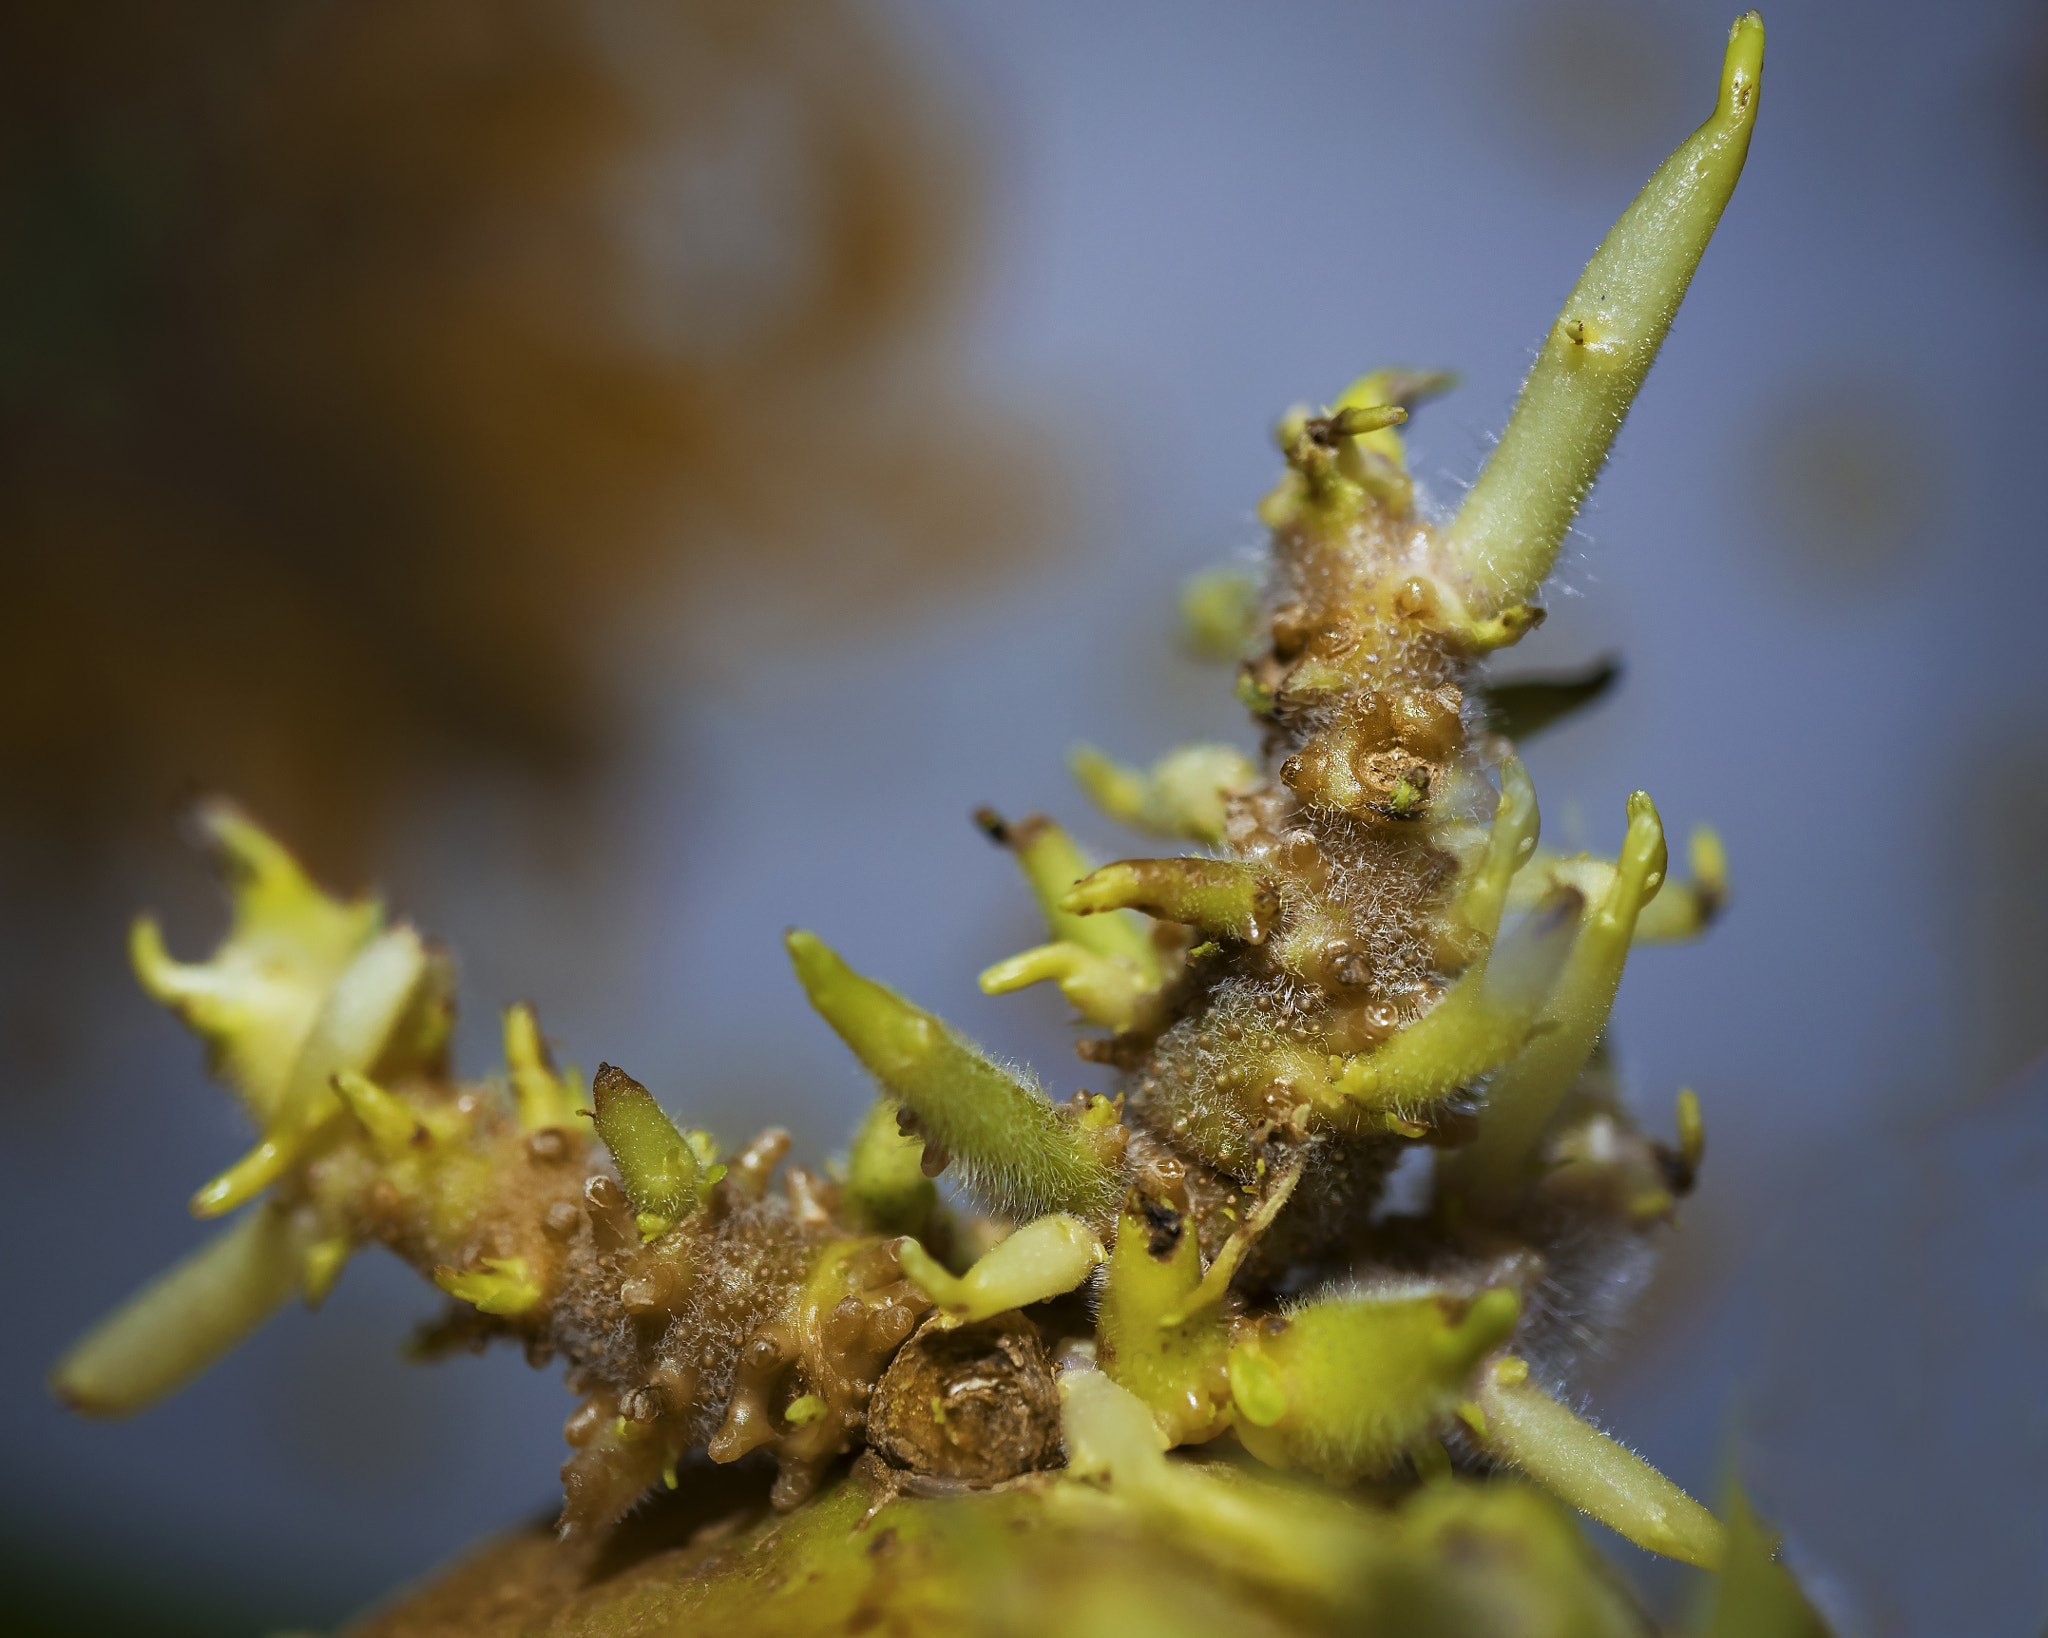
[{"x": 1371, "y": 955}]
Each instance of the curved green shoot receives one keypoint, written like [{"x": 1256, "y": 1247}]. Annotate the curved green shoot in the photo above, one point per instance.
[
  {"x": 1527, "y": 1091},
  {"x": 1576, "y": 1462},
  {"x": 656, "y": 1166},
  {"x": 1042, "y": 1260},
  {"x": 1507, "y": 534},
  {"x": 1018, "y": 1151},
  {"x": 185, "y": 1319}
]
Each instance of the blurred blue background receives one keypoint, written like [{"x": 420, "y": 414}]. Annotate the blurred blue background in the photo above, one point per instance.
[{"x": 1817, "y": 550}]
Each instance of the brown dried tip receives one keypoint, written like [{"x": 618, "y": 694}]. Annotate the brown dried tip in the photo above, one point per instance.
[{"x": 1004, "y": 834}]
